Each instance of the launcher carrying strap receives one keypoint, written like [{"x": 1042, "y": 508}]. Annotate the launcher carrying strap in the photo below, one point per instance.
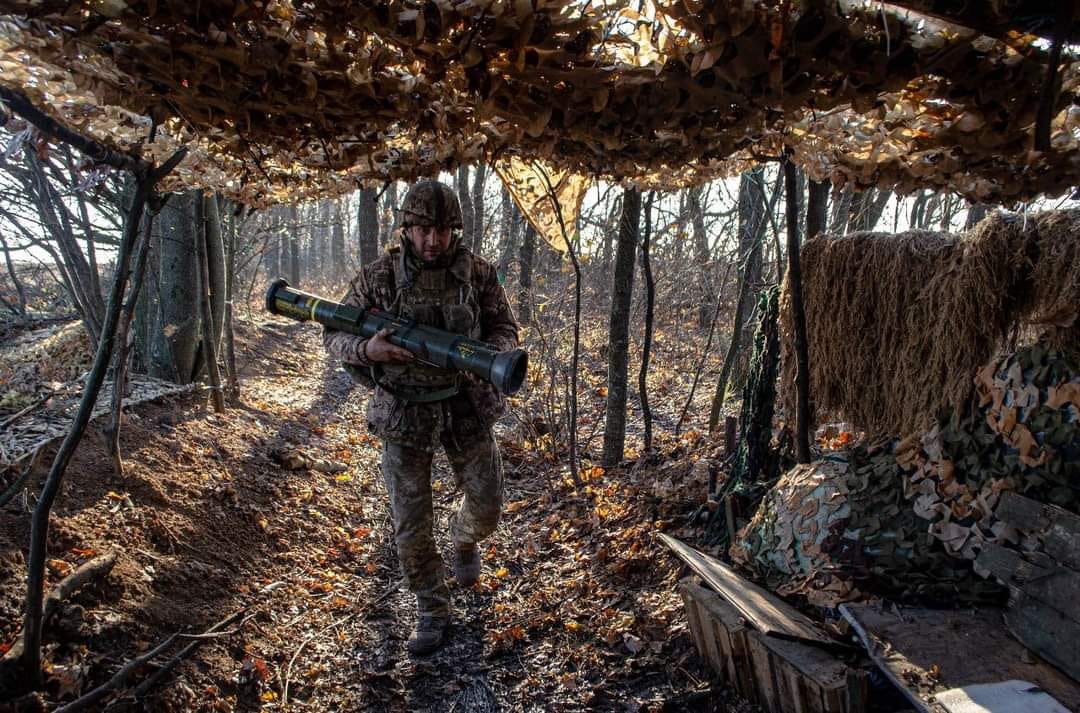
[{"x": 416, "y": 397}]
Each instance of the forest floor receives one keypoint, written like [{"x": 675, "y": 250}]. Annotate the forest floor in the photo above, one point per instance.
[{"x": 577, "y": 607}]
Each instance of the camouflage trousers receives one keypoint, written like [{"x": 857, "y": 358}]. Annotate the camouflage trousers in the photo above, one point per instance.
[{"x": 477, "y": 469}]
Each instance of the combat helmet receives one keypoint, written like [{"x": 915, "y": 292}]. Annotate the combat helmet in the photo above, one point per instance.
[{"x": 431, "y": 203}]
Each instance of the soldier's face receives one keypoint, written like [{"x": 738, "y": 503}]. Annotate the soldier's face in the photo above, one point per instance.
[{"x": 429, "y": 242}]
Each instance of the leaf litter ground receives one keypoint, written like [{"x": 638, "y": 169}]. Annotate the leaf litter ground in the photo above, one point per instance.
[{"x": 576, "y": 610}]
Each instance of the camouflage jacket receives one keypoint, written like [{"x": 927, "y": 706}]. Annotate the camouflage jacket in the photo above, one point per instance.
[{"x": 479, "y": 404}]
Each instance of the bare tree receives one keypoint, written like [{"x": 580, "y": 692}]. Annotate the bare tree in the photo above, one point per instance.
[
  {"x": 650, "y": 299},
  {"x": 478, "y": 225},
  {"x": 751, "y": 221},
  {"x": 510, "y": 229},
  {"x": 622, "y": 290},
  {"x": 337, "y": 244},
  {"x": 526, "y": 257},
  {"x": 468, "y": 227},
  {"x": 702, "y": 257},
  {"x": 368, "y": 226}
]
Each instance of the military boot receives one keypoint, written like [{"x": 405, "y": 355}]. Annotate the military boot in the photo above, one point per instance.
[
  {"x": 466, "y": 563},
  {"x": 429, "y": 635}
]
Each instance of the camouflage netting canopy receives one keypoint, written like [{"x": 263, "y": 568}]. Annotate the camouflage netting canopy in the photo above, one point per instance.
[{"x": 282, "y": 98}]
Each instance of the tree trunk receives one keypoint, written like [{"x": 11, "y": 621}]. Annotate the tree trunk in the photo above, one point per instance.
[
  {"x": 215, "y": 253},
  {"x": 206, "y": 300},
  {"x": 918, "y": 210},
  {"x": 321, "y": 238},
  {"x": 55, "y": 219},
  {"x": 527, "y": 254},
  {"x": 272, "y": 248},
  {"x": 121, "y": 363},
  {"x": 509, "y": 227},
  {"x": 15, "y": 281},
  {"x": 947, "y": 211},
  {"x": 760, "y": 218},
  {"x": 650, "y": 299},
  {"x": 841, "y": 211},
  {"x": 468, "y": 223},
  {"x": 478, "y": 208},
  {"x": 368, "y": 226},
  {"x": 174, "y": 339},
  {"x": 976, "y": 212},
  {"x": 802, "y": 418},
  {"x": 389, "y": 225},
  {"x": 293, "y": 237},
  {"x": 751, "y": 215},
  {"x": 337, "y": 244},
  {"x": 816, "y": 208},
  {"x": 860, "y": 203},
  {"x": 622, "y": 290},
  {"x": 610, "y": 230},
  {"x": 232, "y": 381},
  {"x": 932, "y": 206},
  {"x": 702, "y": 257}
]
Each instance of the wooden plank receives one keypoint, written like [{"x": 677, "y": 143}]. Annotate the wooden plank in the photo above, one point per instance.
[
  {"x": 693, "y": 618},
  {"x": 767, "y": 613},
  {"x": 797, "y": 694},
  {"x": 1060, "y": 529},
  {"x": 1063, "y": 544},
  {"x": 926, "y": 651},
  {"x": 1059, "y": 590},
  {"x": 1058, "y": 587},
  {"x": 740, "y": 659},
  {"x": 823, "y": 679},
  {"x": 1021, "y": 512},
  {"x": 1046, "y": 631},
  {"x": 1008, "y": 565},
  {"x": 788, "y": 691},
  {"x": 764, "y": 677},
  {"x": 723, "y": 642},
  {"x": 729, "y": 632},
  {"x": 811, "y": 662},
  {"x": 857, "y": 692},
  {"x": 716, "y": 655},
  {"x": 795, "y": 676}
]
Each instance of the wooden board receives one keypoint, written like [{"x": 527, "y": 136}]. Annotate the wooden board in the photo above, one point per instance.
[
  {"x": 781, "y": 675},
  {"x": 1057, "y": 587},
  {"x": 721, "y": 631},
  {"x": 1046, "y": 631},
  {"x": 1059, "y": 529},
  {"x": 1044, "y": 603},
  {"x": 966, "y": 647},
  {"x": 767, "y": 613}
]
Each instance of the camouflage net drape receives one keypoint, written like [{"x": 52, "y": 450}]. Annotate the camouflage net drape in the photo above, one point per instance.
[
  {"x": 898, "y": 323},
  {"x": 907, "y": 518},
  {"x": 533, "y": 185},
  {"x": 281, "y": 99}
]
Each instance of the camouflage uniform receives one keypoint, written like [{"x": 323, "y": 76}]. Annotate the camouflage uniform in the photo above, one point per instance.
[{"x": 462, "y": 295}]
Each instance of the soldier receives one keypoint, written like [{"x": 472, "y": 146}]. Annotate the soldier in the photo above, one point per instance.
[{"x": 432, "y": 278}]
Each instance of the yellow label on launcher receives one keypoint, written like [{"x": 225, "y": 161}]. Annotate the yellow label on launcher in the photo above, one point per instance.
[{"x": 291, "y": 310}]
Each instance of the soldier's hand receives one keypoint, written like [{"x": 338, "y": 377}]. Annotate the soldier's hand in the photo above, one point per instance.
[{"x": 379, "y": 349}]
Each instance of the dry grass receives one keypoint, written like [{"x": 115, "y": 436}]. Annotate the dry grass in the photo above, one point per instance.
[{"x": 899, "y": 324}]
